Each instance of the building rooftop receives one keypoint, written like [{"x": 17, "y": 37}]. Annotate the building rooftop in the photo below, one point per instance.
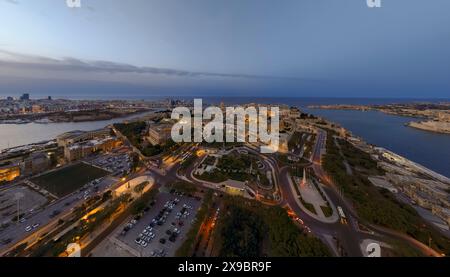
[
  {"x": 8, "y": 166},
  {"x": 235, "y": 184},
  {"x": 76, "y": 133},
  {"x": 70, "y": 134},
  {"x": 161, "y": 127}
]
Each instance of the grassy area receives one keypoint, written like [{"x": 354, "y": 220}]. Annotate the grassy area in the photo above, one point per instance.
[
  {"x": 217, "y": 176},
  {"x": 295, "y": 140},
  {"x": 242, "y": 233},
  {"x": 248, "y": 228},
  {"x": 83, "y": 228},
  {"x": 185, "y": 187},
  {"x": 188, "y": 162},
  {"x": 374, "y": 205},
  {"x": 231, "y": 166},
  {"x": 265, "y": 182},
  {"x": 307, "y": 205},
  {"x": 233, "y": 162},
  {"x": 188, "y": 246},
  {"x": 139, "y": 188},
  {"x": 358, "y": 159},
  {"x": 214, "y": 177},
  {"x": 236, "y": 167},
  {"x": 134, "y": 132},
  {"x": 150, "y": 150},
  {"x": 402, "y": 249},
  {"x": 309, "y": 145},
  {"x": 210, "y": 160},
  {"x": 67, "y": 180},
  {"x": 327, "y": 211},
  {"x": 139, "y": 205}
]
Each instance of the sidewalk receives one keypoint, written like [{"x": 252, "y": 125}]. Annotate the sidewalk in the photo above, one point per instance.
[{"x": 332, "y": 219}]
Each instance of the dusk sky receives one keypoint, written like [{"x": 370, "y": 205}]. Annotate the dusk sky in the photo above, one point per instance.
[{"x": 337, "y": 48}]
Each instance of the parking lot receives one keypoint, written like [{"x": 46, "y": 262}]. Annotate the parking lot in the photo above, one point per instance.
[
  {"x": 37, "y": 212},
  {"x": 28, "y": 201},
  {"x": 162, "y": 229},
  {"x": 114, "y": 163}
]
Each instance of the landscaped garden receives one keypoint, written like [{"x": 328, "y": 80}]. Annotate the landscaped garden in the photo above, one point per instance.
[{"x": 236, "y": 166}]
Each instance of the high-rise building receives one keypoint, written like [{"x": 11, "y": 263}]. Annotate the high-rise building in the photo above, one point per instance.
[{"x": 25, "y": 96}]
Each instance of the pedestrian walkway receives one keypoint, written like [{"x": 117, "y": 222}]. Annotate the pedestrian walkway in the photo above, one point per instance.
[{"x": 319, "y": 216}]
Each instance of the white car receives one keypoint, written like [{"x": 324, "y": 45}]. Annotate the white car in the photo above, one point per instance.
[{"x": 28, "y": 228}]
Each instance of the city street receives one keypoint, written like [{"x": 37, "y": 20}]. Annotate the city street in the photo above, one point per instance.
[{"x": 48, "y": 216}]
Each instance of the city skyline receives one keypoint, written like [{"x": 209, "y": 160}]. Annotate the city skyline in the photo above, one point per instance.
[
  {"x": 298, "y": 48},
  {"x": 239, "y": 130}
]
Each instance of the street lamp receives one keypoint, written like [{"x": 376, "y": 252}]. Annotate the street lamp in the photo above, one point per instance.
[{"x": 18, "y": 196}]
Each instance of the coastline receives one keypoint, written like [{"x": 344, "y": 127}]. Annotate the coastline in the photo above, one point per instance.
[
  {"x": 25, "y": 134},
  {"x": 437, "y": 121},
  {"x": 75, "y": 117},
  {"x": 431, "y": 126},
  {"x": 430, "y": 149},
  {"x": 377, "y": 151}
]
